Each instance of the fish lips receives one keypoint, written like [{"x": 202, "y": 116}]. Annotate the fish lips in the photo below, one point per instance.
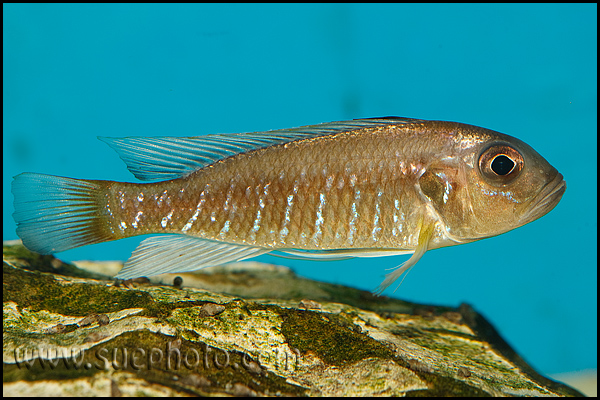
[{"x": 546, "y": 199}]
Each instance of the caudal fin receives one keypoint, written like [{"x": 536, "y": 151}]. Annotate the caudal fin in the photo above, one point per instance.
[{"x": 55, "y": 214}]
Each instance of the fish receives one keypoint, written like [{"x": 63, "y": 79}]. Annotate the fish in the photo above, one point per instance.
[{"x": 366, "y": 187}]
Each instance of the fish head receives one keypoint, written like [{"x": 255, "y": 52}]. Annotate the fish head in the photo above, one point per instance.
[{"x": 492, "y": 184}]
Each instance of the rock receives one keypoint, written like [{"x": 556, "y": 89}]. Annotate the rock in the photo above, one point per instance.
[{"x": 68, "y": 331}]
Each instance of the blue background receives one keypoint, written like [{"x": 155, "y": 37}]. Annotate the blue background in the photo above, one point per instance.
[{"x": 73, "y": 72}]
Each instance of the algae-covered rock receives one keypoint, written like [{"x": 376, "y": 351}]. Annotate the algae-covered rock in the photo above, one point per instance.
[{"x": 244, "y": 330}]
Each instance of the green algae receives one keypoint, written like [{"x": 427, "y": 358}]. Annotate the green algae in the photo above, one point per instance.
[
  {"x": 40, "y": 291},
  {"x": 330, "y": 337},
  {"x": 166, "y": 367},
  {"x": 398, "y": 348}
]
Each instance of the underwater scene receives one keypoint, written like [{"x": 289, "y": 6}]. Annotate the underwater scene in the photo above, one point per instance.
[{"x": 73, "y": 73}]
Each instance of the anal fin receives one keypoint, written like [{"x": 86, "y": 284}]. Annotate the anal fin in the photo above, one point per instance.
[
  {"x": 337, "y": 254},
  {"x": 182, "y": 253}
]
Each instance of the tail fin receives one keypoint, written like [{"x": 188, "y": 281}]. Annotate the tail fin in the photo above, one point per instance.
[{"x": 55, "y": 214}]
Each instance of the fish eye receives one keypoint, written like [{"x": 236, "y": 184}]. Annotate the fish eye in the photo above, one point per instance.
[{"x": 500, "y": 164}]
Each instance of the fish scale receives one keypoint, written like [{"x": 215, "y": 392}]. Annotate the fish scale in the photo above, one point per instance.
[
  {"x": 363, "y": 177},
  {"x": 360, "y": 188}
]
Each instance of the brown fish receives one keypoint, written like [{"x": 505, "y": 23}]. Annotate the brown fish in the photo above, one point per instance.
[{"x": 360, "y": 188}]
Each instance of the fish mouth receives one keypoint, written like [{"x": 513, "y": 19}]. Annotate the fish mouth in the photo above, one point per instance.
[{"x": 546, "y": 199}]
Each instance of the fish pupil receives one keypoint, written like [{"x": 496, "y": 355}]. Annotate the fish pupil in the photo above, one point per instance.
[{"x": 502, "y": 165}]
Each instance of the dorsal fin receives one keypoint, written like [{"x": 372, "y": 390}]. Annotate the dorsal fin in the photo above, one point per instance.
[{"x": 164, "y": 158}]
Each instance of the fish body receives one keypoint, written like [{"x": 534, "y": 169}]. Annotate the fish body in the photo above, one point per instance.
[{"x": 360, "y": 188}]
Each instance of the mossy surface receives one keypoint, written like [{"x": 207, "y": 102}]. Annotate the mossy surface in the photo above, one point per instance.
[
  {"x": 43, "y": 291},
  {"x": 98, "y": 338},
  {"x": 334, "y": 339}
]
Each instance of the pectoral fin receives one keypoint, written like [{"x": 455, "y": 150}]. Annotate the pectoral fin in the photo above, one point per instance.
[{"x": 427, "y": 227}]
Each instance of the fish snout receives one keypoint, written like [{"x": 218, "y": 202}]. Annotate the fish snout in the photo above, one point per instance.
[{"x": 546, "y": 199}]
